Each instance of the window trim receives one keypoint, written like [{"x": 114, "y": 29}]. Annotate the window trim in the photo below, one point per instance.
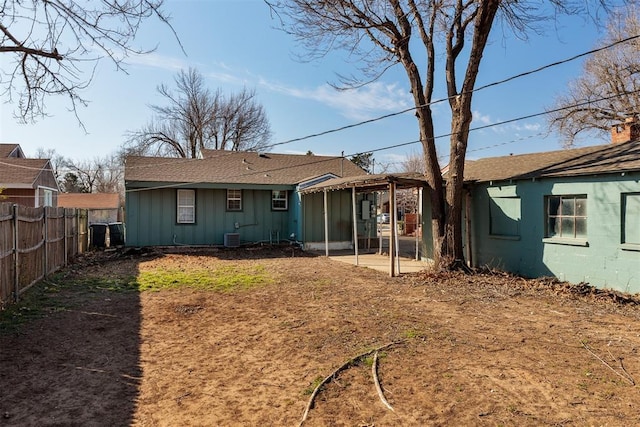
[
  {"x": 233, "y": 199},
  {"x": 191, "y": 206},
  {"x": 274, "y": 199},
  {"x": 502, "y": 236},
  {"x": 566, "y": 241},
  {"x": 560, "y": 238},
  {"x": 624, "y": 244},
  {"x": 41, "y": 196}
]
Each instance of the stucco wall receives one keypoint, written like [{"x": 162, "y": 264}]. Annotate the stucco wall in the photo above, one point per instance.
[{"x": 602, "y": 259}]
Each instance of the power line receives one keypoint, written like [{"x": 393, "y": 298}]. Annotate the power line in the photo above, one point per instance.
[
  {"x": 436, "y": 137},
  {"x": 496, "y": 83},
  {"x": 404, "y": 144},
  {"x": 504, "y": 121}
]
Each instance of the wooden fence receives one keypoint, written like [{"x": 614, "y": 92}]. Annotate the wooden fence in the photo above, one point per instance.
[{"x": 35, "y": 242}]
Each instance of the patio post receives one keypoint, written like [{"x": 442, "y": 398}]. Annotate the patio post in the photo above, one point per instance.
[
  {"x": 326, "y": 224},
  {"x": 392, "y": 231},
  {"x": 355, "y": 223},
  {"x": 417, "y": 228}
]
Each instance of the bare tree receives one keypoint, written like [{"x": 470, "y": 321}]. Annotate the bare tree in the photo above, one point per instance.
[
  {"x": 180, "y": 128},
  {"x": 608, "y": 91},
  {"x": 413, "y": 163},
  {"x": 50, "y": 43},
  {"x": 195, "y": 118},
  {"x": 100, "y": 175},
  {"x": 56, "y": 160},
  {"x": 452, "y": 33},
  {"x": 240, "y": 123}
]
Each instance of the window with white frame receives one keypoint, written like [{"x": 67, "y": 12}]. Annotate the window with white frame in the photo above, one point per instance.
[
  {"x": 47, "y": 197},
  {"x": 44, "y": 197},
  {"x": 234, "y": 200},
  {"x": 279, "y": 200},
  {"x": 186, "y": 213},
  {"x": 631, "y": 219},
  {"x": 566, "y": 216}
]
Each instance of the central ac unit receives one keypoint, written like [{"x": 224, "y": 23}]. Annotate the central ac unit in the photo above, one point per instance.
[{"x": 231, "y": 240}]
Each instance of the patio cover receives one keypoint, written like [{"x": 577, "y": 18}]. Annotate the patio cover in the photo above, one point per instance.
[
  {"x": 366, "y": 184},
  {"x": 369, "y": 183}
]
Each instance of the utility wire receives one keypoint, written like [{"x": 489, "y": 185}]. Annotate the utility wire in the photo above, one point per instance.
[
  {"x": 403, "y": 144},
  {"x": 496, "y": 83},
  {"x": 418, "y": 141},
  {"x": 581, "y": 104},
  {"x": 386, "y": 116}
]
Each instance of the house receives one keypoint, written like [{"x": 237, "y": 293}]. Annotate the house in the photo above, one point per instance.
[
  {"x": 11, "y": 150},
  {"x": 573, "y": 214},
  {"x": 101, "y": 207},
  {"x": 28, "y": 182},
  {"x": 231, "y": 197}
]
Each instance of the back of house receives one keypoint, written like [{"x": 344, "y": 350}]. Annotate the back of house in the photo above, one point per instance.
[
  {"x": 573, "y": 214},
  {"x": 226, "y": 198}
]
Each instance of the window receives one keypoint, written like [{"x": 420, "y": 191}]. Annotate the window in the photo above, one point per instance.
[
  {"x": 47, "y": 197},
  {"x": 234, "y": 200},
  {"x": 186, "y": 206},
  {"x": 279, "y": 200},
  {"x": 43, "y": 196},
  {"x": 504, "y": 216},
  {"x": 566, "y": 217},
  {"x": 631, "y": 219}
]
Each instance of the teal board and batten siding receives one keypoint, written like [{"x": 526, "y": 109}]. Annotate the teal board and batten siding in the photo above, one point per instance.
[
  {"x": 340, "y": 218},
  {"x": 151, "y": 217},
  {"x": 508, "y": 223}
]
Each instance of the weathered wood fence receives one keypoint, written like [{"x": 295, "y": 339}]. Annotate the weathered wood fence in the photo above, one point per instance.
[{"x": 35, "y": 242}]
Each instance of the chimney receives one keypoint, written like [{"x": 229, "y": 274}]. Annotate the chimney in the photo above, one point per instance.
[{"x": 625, "y": 132}]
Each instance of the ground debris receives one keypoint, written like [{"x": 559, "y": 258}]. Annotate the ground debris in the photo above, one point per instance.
[{"x": 511, "y": 285}]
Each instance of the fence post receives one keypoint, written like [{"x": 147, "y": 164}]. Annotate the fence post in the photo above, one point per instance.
[
  {"x": 64, "y": 217},
  {"x": 76, "y": 236},
  {"x": 16, "y": 264},
  {"x": 46, "y": 247}
]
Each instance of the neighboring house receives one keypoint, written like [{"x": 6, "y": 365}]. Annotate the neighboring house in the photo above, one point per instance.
[
  {"x": 573, "y": 214},
  {"x": 231, "y": 197},
  {"x": 101, "y": 207},
  {"x": 11, "y": 150},
  {"x": 28, "y": 182}
]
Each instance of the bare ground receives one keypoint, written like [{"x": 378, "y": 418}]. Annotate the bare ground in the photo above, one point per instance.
[{"x": 477, "y": 350}]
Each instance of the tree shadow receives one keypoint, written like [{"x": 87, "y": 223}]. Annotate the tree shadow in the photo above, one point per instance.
[{"x": 71, "y": 353}]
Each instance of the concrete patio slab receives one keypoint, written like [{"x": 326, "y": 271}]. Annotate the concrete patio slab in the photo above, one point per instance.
[{"x": 379, "y": 262}]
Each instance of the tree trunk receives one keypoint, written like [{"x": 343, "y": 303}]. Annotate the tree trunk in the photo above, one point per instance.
[{"x": 455, "y": 179}]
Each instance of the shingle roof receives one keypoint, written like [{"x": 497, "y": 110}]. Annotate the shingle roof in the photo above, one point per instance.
[
  {"x": 89, "y": 201},
  {"x": 238, "y": 167},
  {"x": 600, "y": 159},
  {"x": 378, "y": 182},
  {"x": 20, "y": 173},
  {"x": 7, "y": 149}
]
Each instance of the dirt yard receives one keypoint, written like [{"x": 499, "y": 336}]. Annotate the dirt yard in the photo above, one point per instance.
[{"x": 484, "y": 350}]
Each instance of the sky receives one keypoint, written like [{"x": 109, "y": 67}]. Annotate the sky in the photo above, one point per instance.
[{"x": 236, "y": 44}]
